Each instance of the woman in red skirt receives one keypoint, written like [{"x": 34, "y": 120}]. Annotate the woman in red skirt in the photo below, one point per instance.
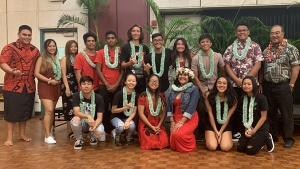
[
  {"x": 151, "y": 109},
  {"x": 181, "y": 108}
]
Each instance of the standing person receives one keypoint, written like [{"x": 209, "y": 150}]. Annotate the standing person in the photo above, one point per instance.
[
  {"x": 152, "y": 111},
  {"x": 110, "y": 74},
  {"x": 221, "y": 103},
  {"x": 278, "y": 76},
  {"x": 69, "y": 85},
  {"x": 242, "y": 58},
  {"x": 48, "y": 72},
  {"x": 17, "y": 60},
  {"x": 256, "y": 129},
  {"x": 206, "y": 66},
  {"x": 158, "y": 62},
  {"x": 85, "y": 60},
  {"x": 88, "y": 112},
  {"x": 124, "y": 109},
  {"x": 132, "y": 56},
  {"x": 181, "y": 109}
]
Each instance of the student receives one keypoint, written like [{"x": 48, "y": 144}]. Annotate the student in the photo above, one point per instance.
[{"x": 220, "y": 103}]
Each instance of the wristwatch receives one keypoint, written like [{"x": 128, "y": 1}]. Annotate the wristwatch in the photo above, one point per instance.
[{"x": 292, "y": 85}]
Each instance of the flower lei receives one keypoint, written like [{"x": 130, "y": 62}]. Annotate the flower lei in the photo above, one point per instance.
[
  {"x": 158, "y": 106},
  {"x": 132, "y": 101},
  {"x": 178, "y": 64},
  {"x": 107, "y": 55},
  {"x": 162, "y": 62},
  {"x": 235, "y": 45},
  {"x": 72, "y": 60},
  {"x": 55, "y": 67},
  {"x": 133, "y": 55},
  {"x": 187, "y": 71},
  {"x": 88, "y": 59},
  {"x": 279, "y": 49},
  {"x": 248, "y": 124},
  {"x": 218, "y": 108},
  {"x": 211, "y": 64},
  {"x": 92, "y": 105},
  {"x": 179, "y": 89}
]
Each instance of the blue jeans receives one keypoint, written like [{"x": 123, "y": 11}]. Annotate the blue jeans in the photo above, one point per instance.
[
  {"x": 81, "y": 126},
  {"x": 119, "y": 126}
]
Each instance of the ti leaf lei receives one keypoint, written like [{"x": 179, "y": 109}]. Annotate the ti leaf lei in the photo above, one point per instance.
[
  {"x": 133, "y": 55},
  {"x": 235, "y": 46},
  {"x": 107, "y": 58},
  {"x": 88, "y": 59},
  {"x": 248, "y": 123},
  {"x": 158, "y": 106},
  {"x": 55, "y": 67},
  {"x": 162, "y": 62},
  {"x": 179, "y": 89},
  {"x": 92, "y": 105},
  {"x": 72, "y": 60},
  {"x": 132, "y": 101},
  {"x": 211, "y": 64},
  {"x": 218, "y": 108}
]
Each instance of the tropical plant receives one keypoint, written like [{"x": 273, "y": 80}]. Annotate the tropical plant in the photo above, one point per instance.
[{"x": 95, "y": 9}]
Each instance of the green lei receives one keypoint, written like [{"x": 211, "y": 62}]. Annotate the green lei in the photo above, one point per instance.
[
  {"x": 218, "y": 108},
  {"x": 158, "y": 106},
  {"x": 133, "y": 55},
  {"x": 132, "y": 101},
  {"x": 88, "y": 59},
  {"x": 55, "y": 67},
  {"x": 92, "y": 105},
  {"x": 107, "y": 55},
  {"x": 162, "y": 62},
  {"x": 235, "y": 45},
  {"x": 72, "y": 60},
  {"x": 179, "y": 89},
  {"x": 211, "y": 64},
  {"x": 248, "y": 123}
]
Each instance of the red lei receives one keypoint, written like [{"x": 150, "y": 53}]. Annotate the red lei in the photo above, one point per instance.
[{"x": 280, "y": 47}]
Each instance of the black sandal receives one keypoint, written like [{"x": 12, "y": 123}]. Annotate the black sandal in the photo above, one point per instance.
[{"x": 71, "y": 134}]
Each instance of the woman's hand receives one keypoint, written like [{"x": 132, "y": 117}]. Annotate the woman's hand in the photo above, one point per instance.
[
  {"x": 249, "y": 133},
  {"x": 178, "y": 126},
  {"x": 68, "y": 92},
  {"x": 172, "y": 126},
  {"x": 126, "y": 125},
  {"x": 218, "y": 136}
]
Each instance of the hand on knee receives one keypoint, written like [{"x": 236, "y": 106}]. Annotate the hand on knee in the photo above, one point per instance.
[
  {"x": 98, "y": 134},
  {"x": 76, "y": 118}
]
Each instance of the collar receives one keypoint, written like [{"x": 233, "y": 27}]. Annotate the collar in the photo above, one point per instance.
[{"x": 19, "y": 45}]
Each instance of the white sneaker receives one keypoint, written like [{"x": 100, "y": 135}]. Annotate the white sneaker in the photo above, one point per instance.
[
  {"x": 50, "y": 140},
  {"x": 113, "y": 133}
]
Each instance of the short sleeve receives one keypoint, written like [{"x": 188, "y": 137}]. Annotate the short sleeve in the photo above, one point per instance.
[
  {"x": 142, "y": 99},
  {"x": 78, "y": 62},
  {"x": 99, "y": 57},
  {"x": 136, "y": 100},
  {"x": 6, "y": 55},
  {"x": 162, "y": 96},
  {"x": 195, "y": 63},
  {"x": 146, "y": 49},
  {"x": 263, "y": 103},
  {"x": 117, "y": 98},
  {"x": 220, "y": 60},
  {"x": 76, "y": 99},
  {"x": 293, "y": 55},
  {"x": 258, "y": 57},
  {"x": 124, "y": 53},
  {"x": 99, "y": 103},
  {"x": 148, "y": 59},
  {"x": 228, "y": 54}
]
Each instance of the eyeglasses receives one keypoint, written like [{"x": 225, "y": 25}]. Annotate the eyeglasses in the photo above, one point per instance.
[
  {"x": 157, "y": 40},
  {"x": 243, "y": 30},
  {"x": 154, "y": 81}
]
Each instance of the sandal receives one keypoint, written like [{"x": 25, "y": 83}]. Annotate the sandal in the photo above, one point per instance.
[{"x": 71, "y": 134}]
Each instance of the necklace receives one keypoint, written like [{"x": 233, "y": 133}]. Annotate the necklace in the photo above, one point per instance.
[
  {"x": 211, "y": 64},
  {"x": 107, "y": 58},
  {"x": 88, "y": 59},
  {"x": 55, "y": 67},
  {"x": 248, "y": 123},
  {"x": 158, "y": 106},
  {"x": 72, "y": 60},
  {"x": 218, "y": 108},
  {"x": 83, "y": 104},
  {"x": 162, "y": 62},
  {"x": 133, "y": 55},
  {"x": 132, "y": 101},
  {"x": 178, "y": 64},
  {"x": 179, "y": 89},
  {"x": 279, "y": 49},
  {"x": 235, "y": 46}
]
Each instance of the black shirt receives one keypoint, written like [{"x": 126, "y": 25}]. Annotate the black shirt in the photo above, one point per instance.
[
  {"x": 98, "y": 101},
  {"x": 164, "y": 78},
  {"x": 118, "y": 100}
]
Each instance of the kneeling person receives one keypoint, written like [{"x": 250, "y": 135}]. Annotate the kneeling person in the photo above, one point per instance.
[{"x": 88, "y": 112}]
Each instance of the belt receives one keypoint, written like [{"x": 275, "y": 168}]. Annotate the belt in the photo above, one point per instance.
[
  {"x": 139, "y": 76},
  {"x": 273, "y": 83}
]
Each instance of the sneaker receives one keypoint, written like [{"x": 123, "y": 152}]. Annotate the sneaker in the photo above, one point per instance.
[
  {"x": 78, "y": 144},
  {"x": 200, "y": 138},
  {"x": 93, "y": 140},
  {"x": 236, "y": 136},
  {"x": 102, "y": 137},
  {"x": 270, "y": 143},
  {"x": 117, "y": 141},
  {"x": 128, "y": 139},
  {"x": 50, "y": 140},
  {"x": 113, "y": 133}
]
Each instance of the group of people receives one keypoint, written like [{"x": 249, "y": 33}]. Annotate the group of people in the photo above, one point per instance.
[{"x": 132, "y": 89}]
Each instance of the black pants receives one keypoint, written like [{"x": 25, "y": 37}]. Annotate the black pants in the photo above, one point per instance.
[
  {"x": 280, "y": 97},
  {"x": 108, "y": 98},
  {"x": 251, "y": 145},
  {"x": 237, "y": 116},
  {"x": 201, "y": 109}
]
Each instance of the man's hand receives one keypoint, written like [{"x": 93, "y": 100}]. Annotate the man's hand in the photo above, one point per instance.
[
  {"x": 16, "y": 72},
  {"x": 132, "y": 61}
]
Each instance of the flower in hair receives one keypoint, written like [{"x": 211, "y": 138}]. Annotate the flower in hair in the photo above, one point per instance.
[{"x": 186, "y": 71}]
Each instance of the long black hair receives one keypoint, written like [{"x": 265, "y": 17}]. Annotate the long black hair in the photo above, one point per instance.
[
  {"x": 254, "y": 86},
  {"x": 229, "y": 93},
  {"x": 186, "y": 53}
]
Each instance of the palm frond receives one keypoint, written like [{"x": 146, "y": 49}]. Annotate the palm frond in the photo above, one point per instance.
[
  {"x": 157, "y": 14},
  {"x": 67, "y": 20},
  {"x": 295, "y": 3}
]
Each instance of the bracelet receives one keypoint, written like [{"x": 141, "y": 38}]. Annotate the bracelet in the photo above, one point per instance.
[
  {"x": 172, "y": 121},
  {"x": 181, "y": 122},
  {"x": 49, "y": 81}
]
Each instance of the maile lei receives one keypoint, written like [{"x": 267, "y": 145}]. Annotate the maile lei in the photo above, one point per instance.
[
  {"x": 235, "y": 46},
  {"x": 88, "y": 59},
  {"x": 55, "y": 67},
  {"x": 132, "y": 101},
  {"x": 218, "y": 108},
  {"x": 248, "y": 123},
  {"x": 211, "y": 64},
  {"x": 133, "y": 55},
  {"x": 92, "y": 105},
  {"x": 107, "y": 59},
  {"x": 179, "y": 89},
  {"x": 162, "y": 62},
  {"x": 72, "y": 60},
  {"x": 158, "y": 106},
  {"x": 279, "y": 49}
]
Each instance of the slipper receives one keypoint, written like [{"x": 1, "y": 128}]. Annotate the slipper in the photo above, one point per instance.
[{"x": 71, "y": 134}]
